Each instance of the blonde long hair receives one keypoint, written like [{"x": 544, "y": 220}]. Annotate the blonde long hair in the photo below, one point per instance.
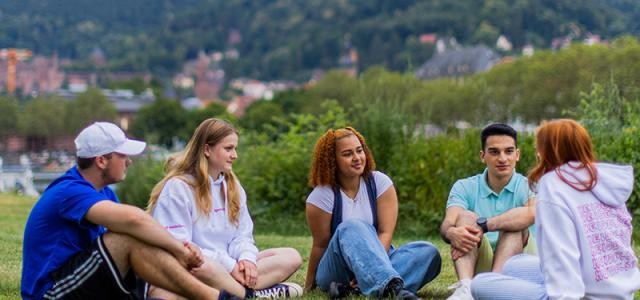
[{"x": 191, "y": 166}]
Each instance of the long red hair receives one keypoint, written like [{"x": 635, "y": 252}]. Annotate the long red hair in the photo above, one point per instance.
[{"x": 559, "y": 142}]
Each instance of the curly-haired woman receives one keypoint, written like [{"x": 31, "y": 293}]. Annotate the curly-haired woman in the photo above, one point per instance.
[{"x": 352, "y": 213}]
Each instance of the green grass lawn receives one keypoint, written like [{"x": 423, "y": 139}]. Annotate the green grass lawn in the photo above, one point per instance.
[{"x": 14, "y": 211}]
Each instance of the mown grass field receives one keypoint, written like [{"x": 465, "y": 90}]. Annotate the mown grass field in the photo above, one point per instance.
[{"x": 14, "y": 211}]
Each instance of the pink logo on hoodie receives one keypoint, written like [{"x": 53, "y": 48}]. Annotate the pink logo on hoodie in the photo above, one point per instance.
[{"x": 608, "y": 232}]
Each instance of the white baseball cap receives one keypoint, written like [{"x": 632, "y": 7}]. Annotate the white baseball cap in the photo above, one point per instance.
[{"x": 102, "y": 137}]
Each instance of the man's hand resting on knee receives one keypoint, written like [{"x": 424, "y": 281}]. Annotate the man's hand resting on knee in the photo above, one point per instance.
[{"x": 463, "y": 239}]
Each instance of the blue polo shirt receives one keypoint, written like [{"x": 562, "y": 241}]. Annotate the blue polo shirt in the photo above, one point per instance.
[
  {"x": 474, "y": 194},
  {"x": 56, "y": 230}
]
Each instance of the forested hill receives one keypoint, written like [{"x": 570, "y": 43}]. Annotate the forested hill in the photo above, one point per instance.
[{"x": 290, "y": 38}]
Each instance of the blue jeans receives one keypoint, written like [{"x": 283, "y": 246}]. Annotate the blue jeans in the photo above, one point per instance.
[
  {"x": 521, "y": 278},
  {"x": 355, "y": 252}
]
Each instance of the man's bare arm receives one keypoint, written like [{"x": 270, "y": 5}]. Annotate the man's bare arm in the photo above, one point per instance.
[
  {"x": 515, "y": 219},
  {"x": 130, "y": 220}
]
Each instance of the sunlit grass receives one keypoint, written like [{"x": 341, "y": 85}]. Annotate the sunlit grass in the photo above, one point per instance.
[{"x": 15, "y": 209}]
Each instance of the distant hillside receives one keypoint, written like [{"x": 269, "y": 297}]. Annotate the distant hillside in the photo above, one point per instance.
[{"x": 287, "y": 38}]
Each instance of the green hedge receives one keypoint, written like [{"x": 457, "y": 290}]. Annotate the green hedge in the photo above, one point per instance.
[{"x": 274, "y": 162}]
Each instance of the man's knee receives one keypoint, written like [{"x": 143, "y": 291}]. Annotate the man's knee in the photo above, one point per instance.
[
  {"x": 466, "y": 217},
  {"x": 120, "y": 244},
  {"x": 514, "y": 238},
  {"x": 158, "y": 293}
]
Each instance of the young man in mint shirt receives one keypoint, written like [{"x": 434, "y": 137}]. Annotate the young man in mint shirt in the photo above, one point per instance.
[
  {"x": 489, "y": 216},
  {"x": 81, "y": 243}
]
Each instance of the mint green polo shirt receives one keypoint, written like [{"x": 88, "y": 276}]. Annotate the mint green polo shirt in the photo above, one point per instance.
[{"x": 474, "y": 194}]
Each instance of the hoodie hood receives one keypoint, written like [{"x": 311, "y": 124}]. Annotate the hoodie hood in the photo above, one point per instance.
[{"x": 614, "y": 185}]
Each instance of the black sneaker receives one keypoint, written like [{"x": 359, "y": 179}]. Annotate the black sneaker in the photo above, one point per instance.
[
  {"x": 224, "y": 295},
  {"x": 395, "y": 290},
  {"x": 280, "y": 290},
  {"x": 394, "y": 286},
  {"x": 340, "y": 290},
  {"x": 406, "y": 295}
]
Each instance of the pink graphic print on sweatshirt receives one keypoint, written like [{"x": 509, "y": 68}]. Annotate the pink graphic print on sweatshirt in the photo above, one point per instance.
[{"x": 608, "y": 231}]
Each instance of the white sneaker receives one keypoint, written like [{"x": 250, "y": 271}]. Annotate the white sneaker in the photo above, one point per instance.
[
  {"x": 462, "y": 290},
  {"x": 280, "y": 290}
]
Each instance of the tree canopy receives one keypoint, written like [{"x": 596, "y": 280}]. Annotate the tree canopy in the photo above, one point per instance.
[{"x": 290, "y": 39}]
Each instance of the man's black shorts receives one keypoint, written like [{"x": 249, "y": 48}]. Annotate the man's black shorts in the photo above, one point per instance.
[{"x": 92, "y": 274}]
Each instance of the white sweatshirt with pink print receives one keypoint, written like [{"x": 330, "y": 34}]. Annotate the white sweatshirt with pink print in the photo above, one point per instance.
[
  {"x": 219, "y": 239},
  {"x": 584, "y": 238}
]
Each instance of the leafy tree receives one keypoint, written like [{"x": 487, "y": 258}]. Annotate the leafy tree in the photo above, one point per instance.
[
  {"x": 161, "y": 122},
  {"x": 137, "y": 85},
  {"x": 10, "y": 110},
  {"x": 43, "y": 117},
  {"x": 88, "y": 107},
  {"x": 486, "y": 34},
  {"x": 337, "y": 85},
  {"x": 260, "y": 114},
  {"x": 613, "y": 122},
  {"x": 213, "y": 110},
  {"x": 284, "y": 39}
]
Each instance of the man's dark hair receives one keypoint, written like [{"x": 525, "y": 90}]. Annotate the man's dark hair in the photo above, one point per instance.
[
  {"x": 86, "y": 162},
  {"x": 498, "y": 129}
]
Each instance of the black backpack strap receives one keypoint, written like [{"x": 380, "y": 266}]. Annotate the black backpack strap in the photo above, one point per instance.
[
  {"x": 373, "y": 194},
  {"x": 336, "y": 214}
]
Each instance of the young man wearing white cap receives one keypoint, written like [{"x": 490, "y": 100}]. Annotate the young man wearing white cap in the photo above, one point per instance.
[{"x": 81, "y": 243}]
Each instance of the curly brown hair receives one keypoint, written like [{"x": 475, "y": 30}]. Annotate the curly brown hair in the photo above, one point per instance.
[{"x": 324, "y": 169}]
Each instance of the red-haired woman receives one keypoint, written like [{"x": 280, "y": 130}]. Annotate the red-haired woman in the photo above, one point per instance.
[
  {"x": 583, "y": 226},
  {"x": 352, "y": 213}
]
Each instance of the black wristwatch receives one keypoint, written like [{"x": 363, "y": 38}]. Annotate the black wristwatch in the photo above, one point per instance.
[{"x": 482, "y": 222}]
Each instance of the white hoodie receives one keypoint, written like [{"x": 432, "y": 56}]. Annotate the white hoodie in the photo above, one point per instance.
[
  {"x": 218, "y": 239},
  {"x": 584, "y": 238}
]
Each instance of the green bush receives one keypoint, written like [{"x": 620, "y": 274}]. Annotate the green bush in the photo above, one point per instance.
[
  {"x": 142, "y": 176},
  {"x": 274, "y": 161},
  {"x": 274, "y": 172},
  {"x": 614, "y": 124}
]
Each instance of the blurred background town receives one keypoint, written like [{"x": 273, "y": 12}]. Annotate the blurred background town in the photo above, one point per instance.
[{"x": 157, "y": 68}]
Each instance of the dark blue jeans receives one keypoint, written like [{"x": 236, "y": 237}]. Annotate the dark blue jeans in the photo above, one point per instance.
[{"x": 355, "y": 252}]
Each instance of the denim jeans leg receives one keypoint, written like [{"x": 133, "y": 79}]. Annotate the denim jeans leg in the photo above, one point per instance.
[
  {"x": 417, "y": 262},
  {"x": 355, "y": 251}
]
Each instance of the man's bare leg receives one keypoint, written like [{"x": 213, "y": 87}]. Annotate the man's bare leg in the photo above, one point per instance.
[
  {"x": 509, "y": 244},
  {"x": 465, "y": 265},
  {"x": 155, "y": 266},
  {"x": 210, "y": 273}
]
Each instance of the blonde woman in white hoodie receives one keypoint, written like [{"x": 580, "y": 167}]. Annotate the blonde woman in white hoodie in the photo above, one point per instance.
[
  {"x": 583, "y": 225},
  {"x": 201, "y": 201}
]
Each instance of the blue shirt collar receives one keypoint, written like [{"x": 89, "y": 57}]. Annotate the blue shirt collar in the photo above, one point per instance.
[{"x": 487, "y": 191}]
